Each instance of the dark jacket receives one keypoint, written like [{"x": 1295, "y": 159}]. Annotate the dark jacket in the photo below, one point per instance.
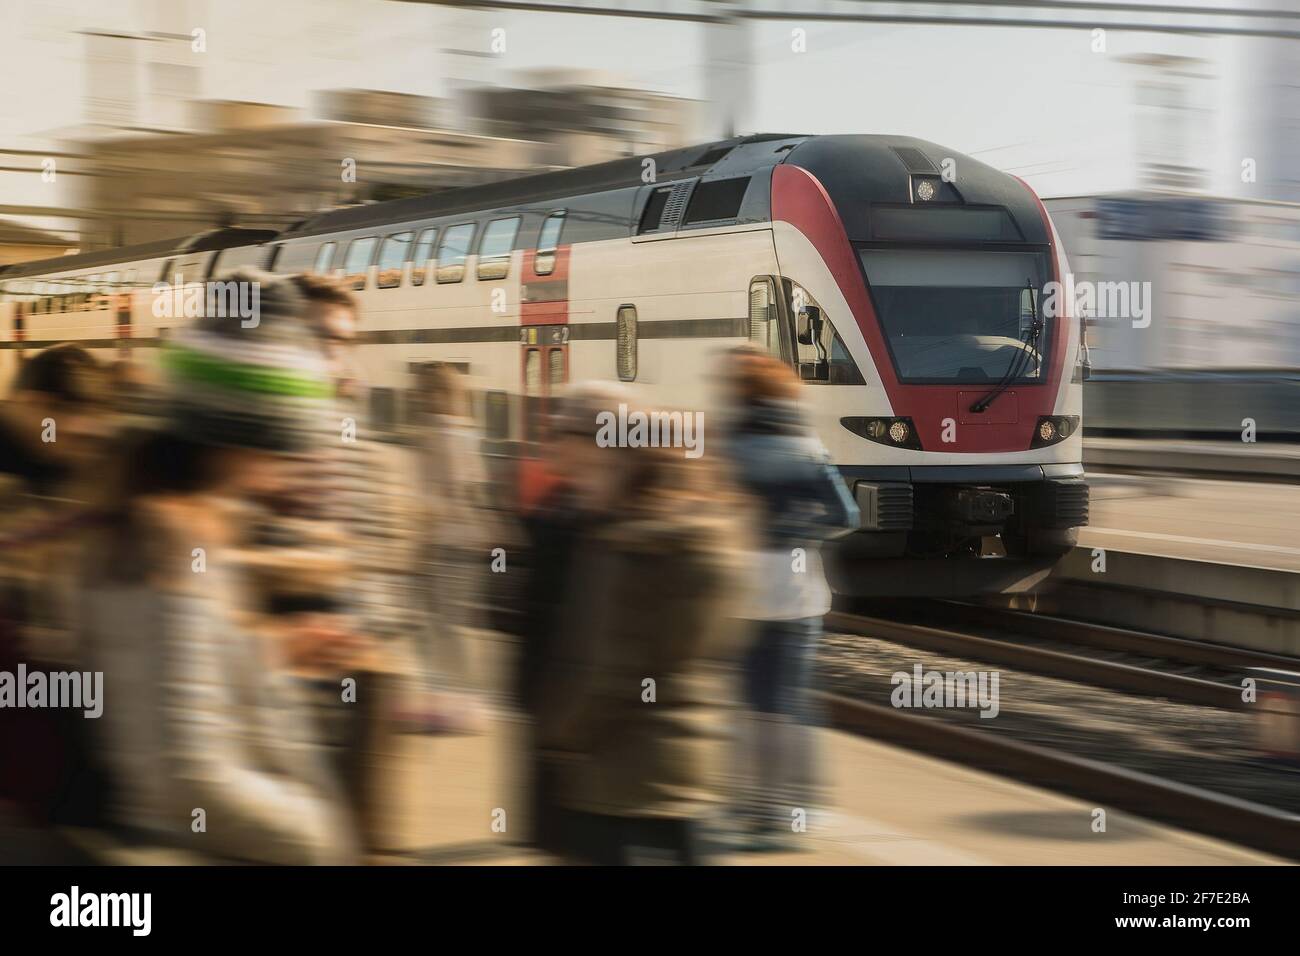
[
  {"x": 651, "y": 600},
  {"x": 782, "y": 464},
  {"x": 553, "y": 533}
]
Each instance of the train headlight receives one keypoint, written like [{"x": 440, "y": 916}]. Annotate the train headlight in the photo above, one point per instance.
[
  {"x": 1051, "y": 429},
  {"x": 896, "y": 432},
  {"x": 925, "y": 190}
]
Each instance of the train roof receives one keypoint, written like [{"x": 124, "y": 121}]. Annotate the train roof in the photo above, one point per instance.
[
  {"x": 669, "y": 165},
  {"x": 862, "y": 171},
  {"x": 202, "y": 242},
  {"x": 856, "y": 170}
]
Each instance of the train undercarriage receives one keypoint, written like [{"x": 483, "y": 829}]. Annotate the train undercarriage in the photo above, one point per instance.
[{"x": 1000, "y": 530}]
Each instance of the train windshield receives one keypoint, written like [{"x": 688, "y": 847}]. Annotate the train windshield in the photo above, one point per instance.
[{"x": 959, "y": 316}]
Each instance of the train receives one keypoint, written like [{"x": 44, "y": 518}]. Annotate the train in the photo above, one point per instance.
[{"x": 906, "y": 284}]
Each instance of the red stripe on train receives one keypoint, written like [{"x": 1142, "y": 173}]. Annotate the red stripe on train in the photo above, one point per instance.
[
  {"x": 544, "y": 299},
  {"x": 799, "y": 199}
]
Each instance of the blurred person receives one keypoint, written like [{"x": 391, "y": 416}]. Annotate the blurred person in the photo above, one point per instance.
[
  {"x": 632, "y": 705},
  {"x": 801, "y": 499},
  {"x": 52, "y": 419},
  {"x": 199, "y": 712},
  {"x": 456, "y": 534},
  {"x": 52, "y": 431},
  {"x": 133, "y": 389},
  {"x": 554, "y": 523},
  {"x": 356, "y": 484},
  {"x": 360, "y": 491}
]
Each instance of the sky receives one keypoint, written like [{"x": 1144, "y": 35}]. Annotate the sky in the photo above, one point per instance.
[{"x": 1039, "y": 103}]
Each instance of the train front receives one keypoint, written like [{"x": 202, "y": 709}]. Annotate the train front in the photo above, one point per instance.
[{"x": 931, "y": 311}]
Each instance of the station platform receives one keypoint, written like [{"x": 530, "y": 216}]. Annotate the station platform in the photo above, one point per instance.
[
  {"x": 1231, "y": 522},
  {"x": 888, "y": 806},
  {"x": 891, "y": 807},
  {"x": 459, "y": 800}
]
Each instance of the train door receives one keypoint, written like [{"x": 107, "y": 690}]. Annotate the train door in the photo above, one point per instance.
[{"x": 544, "y": 369}]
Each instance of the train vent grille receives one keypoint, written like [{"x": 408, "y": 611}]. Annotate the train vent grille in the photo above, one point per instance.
[
  {"x": 894, "y": 508},
  {"x": 676, "y": 205},
  {"x": 915, "y": 160}
]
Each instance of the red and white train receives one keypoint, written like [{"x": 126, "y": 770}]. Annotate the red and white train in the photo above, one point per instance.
[{"x": 903, "y": 281}]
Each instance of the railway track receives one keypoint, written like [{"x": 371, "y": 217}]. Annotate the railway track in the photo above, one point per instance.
[
  {"x": 1154, "y": 666},
  {"x": 1177, "y": 668}
]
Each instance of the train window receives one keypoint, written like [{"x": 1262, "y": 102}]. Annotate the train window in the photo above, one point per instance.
[
  {"x": 716, "y": 200},
  {"x": 453, "y": 251},
  {"x": 324, "y": 258},
  {"x": 654, "y": 209},
  {"x": 548, "y": 240},
  {"x": 392, "y": 259},
  {"x": 958, "y": 316},
  {"x": 227, "y": 260},
  {"x": 423, "y": 253},
  {"x": 494, "y": 251},
  {"x": 843, "y": 370},
  {"x": 626, "y": 343},
  {"x": 950, "y": 225},
  {"x": 294, "y": 257},
  {"x": 356, "y": 265}
]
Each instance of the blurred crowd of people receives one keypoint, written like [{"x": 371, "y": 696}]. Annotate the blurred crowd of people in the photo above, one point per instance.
[{"x": 221, "y": 535}]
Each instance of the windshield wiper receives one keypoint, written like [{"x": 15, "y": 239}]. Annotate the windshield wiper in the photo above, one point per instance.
[{"x": 1028, "y": 344}]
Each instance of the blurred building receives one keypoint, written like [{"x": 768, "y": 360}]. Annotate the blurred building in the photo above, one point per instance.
[
  {"x": 1221, "y": 340},
  {"x": 1272, "y": 108},
  {"x": 261, "y": 165},
  {"x": 257, "y": 164},
  {"x": 1174, "y": 123},
  {"x": 584, "y": 116},
  {"x": 20, "y": 243}
]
